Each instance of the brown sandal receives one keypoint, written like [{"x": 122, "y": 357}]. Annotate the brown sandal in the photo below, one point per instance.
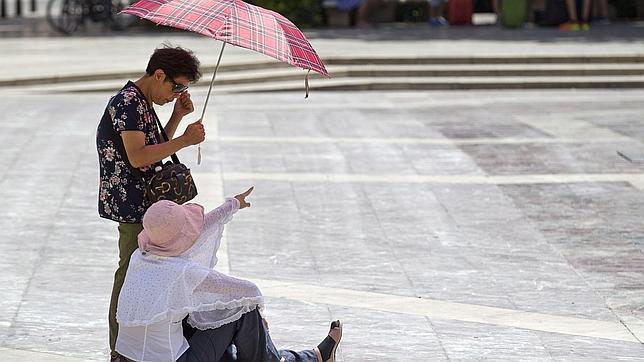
[{"x": 329, "y": 345}]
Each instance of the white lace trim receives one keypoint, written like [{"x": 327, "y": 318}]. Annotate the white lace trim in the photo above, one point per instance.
[
  {"x": 245, "y": 305},
  {"x": 243, "y": 310}
]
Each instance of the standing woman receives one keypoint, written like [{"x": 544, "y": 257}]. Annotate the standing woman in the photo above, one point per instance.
[{"x": 129, "y": 148}]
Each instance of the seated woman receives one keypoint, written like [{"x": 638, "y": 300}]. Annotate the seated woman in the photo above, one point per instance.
[{"x": 170, "y": 277}]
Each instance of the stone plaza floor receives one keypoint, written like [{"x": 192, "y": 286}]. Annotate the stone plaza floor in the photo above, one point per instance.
[{"x": 439, "y": 226}]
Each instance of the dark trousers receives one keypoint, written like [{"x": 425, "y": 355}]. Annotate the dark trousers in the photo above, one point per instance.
[{"x": 250, "y": 338}]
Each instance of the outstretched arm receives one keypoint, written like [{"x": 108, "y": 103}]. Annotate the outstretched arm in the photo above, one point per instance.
[{"x": 224, "y": 213}]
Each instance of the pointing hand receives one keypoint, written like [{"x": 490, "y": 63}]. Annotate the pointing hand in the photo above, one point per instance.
[{"x": 242, "y": 198}]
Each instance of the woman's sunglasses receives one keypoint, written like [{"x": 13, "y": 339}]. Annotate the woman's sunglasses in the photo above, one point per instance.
[{"x": 177, "y": 87}]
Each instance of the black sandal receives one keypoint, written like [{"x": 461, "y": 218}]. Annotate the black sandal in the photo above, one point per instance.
[{"x": 325, "y": 351}]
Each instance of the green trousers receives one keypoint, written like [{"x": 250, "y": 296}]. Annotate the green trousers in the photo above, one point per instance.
[{"x": 127, "y": 244}]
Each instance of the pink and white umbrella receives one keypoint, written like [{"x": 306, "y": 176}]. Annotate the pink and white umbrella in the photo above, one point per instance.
[{"x": 238, "y": 23}]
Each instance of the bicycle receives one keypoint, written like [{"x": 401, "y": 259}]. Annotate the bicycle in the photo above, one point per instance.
[{"x": 66, "y": 16}]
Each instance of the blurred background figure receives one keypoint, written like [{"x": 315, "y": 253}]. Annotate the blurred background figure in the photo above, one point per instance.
[
  {"x": 366, "y": 11},
  {"x": 600, "y": 12},
  {"x": 496, "y": 9},
  {"x": 436, "y": 9},
  {"x": 574, "y": 22}
]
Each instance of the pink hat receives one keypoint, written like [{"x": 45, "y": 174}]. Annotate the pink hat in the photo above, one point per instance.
[{"x": 169, "y": 229}]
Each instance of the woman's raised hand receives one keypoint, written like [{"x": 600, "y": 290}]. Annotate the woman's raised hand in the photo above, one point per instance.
[
  {"x": 242, "y": 198},
  {"x": 194, "y": 133}
]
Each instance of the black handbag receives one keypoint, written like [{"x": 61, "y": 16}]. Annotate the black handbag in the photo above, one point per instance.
[{"x": 172, "y": 182}]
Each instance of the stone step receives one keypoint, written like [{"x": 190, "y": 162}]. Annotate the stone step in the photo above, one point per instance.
[
  {"x": 443, "y": 83},
  {"x": 416, "y": 71},
  {"x": 395, "y": 67},
  {"x": 376, "y": 83},
  {"x": 501, "y": 59},
  {"x": 377, "y": 73}
]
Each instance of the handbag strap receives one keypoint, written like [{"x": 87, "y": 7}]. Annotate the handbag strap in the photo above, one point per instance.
[{"x": 174, "y": 157}]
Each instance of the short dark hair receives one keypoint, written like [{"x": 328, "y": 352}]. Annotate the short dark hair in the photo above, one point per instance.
[{"x": 174, "y": 62}]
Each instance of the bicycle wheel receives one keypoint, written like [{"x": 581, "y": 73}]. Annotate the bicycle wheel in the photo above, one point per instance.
[
  {"x": 121, "y": 21},
  {"x": 65, "y": 16}
]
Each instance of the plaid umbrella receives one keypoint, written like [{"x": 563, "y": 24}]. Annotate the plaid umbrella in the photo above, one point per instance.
[{"x": 237, "y": 23}]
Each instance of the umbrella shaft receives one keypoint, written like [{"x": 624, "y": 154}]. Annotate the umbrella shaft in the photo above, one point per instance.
[{"x": 213, "y": 79}]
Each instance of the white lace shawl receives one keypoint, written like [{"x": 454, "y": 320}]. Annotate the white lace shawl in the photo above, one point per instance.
[{"x": 160, "y": 288}]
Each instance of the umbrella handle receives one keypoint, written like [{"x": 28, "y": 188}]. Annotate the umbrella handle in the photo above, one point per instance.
[{"x": 203, "y": 112}]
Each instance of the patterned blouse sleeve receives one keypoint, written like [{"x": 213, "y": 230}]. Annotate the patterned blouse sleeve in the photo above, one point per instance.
[
  {"x": 127, "y": 113},
  {"x": 223, "y": 213}
]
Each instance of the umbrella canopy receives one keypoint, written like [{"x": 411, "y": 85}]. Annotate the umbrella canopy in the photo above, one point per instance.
[
  {"x": 238, "y": 23},
  {"x": 235, "y": 22}
]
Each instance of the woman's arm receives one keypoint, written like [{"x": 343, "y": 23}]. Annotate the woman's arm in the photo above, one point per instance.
[
  {"x": 140, "y": 155},
  {"x": 222, "y": 214},
  {"x": 225, "y": 212}
]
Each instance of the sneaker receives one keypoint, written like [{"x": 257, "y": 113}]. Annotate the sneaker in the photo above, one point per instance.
[
  {"x": 438, "y": 21},
  {"x": 584, "y": 26},
  {"x": 569, "y": 26}
]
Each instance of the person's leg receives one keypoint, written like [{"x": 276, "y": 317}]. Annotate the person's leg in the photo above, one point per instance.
[
  {"x": 571, "y": 7},
  {"x": 365, "y": 12},
  {"x": 440, "y": 10},
  {"x": 495, "y": 8},
  {"x": 585, "y": 11},
  {"x": 210, "y": 344},
  {"x": 127, "y": 244},
  {"x": 573, "y": 22},
  {"x": 585, "y": 15},
  {"x": 324, "y": 352},
  {"x": 248, "y": 334},
  {"x": 600, "y": 12},
  {"x": 253, "y": 343},
  {"x": 603, "y": 8},
  {"x": 433, "y": 10},
  {"x": 436, "y": 13}
]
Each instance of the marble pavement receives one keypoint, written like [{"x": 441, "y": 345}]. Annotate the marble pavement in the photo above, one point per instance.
[{"x": 478, "y": 225}]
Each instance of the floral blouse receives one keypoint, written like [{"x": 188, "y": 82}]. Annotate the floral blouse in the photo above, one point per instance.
[{"x": 121, "y": 193}]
